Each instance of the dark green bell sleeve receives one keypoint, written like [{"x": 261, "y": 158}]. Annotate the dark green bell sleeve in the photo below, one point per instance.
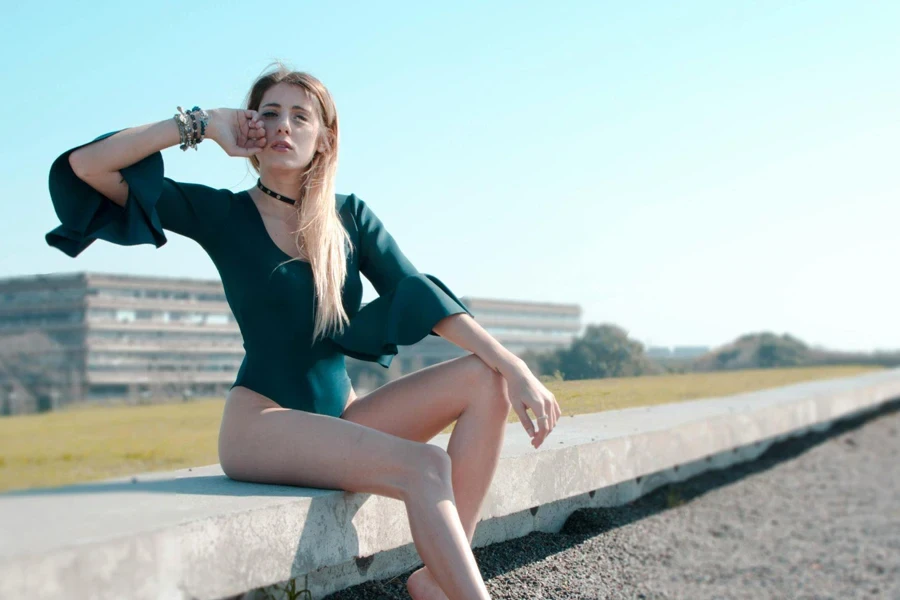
[
  {"x": 409, "y": 304},
  {"x": 155, "y": 203}
]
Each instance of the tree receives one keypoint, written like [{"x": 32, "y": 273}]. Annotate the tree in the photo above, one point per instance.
[{"x": 604, "y": 351}]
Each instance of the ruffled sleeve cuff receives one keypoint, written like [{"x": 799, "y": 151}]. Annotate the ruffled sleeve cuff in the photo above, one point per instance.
[
  {"x": 86, "y": 215},
  {"x": 403, "y": 316}
]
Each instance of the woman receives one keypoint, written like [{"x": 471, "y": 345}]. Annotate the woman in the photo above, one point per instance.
[{"x": 289, "y": 252}]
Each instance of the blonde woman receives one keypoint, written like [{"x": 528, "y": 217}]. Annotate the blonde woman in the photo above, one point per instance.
[{"x": 290, "y": 252}]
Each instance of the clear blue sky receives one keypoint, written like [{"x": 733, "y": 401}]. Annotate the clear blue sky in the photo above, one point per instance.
[{"x": 690, "y": 171}]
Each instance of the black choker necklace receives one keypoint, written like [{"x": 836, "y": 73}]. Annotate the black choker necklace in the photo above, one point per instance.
[{"x": 260, "y": 185}]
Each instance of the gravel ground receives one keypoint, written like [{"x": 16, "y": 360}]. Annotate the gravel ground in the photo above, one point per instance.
[{"x": 813, "y": 517}]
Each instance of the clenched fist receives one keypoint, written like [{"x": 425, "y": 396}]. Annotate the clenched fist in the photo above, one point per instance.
[{"x": 239, "y": 132}]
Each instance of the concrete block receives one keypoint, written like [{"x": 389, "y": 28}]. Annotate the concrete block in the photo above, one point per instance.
[{"x": 195, "y": 534}]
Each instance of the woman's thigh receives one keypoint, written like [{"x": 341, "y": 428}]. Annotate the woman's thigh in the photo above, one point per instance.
[
  {"x": 259, "y": 441},
  {"x": 419, "y": 405}
]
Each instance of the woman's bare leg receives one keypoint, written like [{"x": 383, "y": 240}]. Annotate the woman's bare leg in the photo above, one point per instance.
[
  {"x": 474, "y": 448},
  {"x": 420, "y": 405},
  {"x": 261, "y": 442}
]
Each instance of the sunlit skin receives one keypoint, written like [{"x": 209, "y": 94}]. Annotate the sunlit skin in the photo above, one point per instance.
[
  {"x": 443, "y": 491},
  {"x": 291, "y": 130},
  {"x": 284, "y": 135}
]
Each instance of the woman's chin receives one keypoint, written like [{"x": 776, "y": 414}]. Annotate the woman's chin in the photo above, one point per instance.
[{"x": 280, "y": 163}]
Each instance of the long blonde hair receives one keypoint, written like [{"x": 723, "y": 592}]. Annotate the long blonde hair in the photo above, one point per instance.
[{"x": 321, "y": 232}]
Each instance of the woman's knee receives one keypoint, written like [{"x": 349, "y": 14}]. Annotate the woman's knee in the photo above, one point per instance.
[
  {"x": 491, "y": 387},
  {"x": 433, "y": 467}
]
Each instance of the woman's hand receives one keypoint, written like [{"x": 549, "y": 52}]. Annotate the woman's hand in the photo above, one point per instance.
[
  {"x": 239, "y": 132},
  {"x": 526, "y": 391}
]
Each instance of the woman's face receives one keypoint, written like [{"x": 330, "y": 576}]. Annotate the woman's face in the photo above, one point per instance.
[{"x": 288, "y": 112}]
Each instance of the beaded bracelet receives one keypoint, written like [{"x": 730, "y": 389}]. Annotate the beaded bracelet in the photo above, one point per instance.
[
  {"x": 195, "y": 130},
  {"x": 191, "y": 126},
  {"x": 204, "y": 120},
  {"x": 199, "y": 117}
]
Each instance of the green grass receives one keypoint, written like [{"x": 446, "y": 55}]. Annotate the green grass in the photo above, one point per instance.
[{"x": 89, "y": 443}]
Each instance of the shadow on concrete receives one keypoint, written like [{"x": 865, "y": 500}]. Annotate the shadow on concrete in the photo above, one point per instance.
[{"x": 501, "y": 558}]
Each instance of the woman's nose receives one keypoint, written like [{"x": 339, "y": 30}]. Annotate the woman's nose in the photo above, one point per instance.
[{"x": 283, "y": 126}]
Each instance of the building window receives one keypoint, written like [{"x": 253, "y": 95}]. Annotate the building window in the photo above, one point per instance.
[{"x": 216, "y": 319}]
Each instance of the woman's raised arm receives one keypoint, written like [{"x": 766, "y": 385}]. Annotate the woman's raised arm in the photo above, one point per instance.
[{"x": 239, "y": 132}]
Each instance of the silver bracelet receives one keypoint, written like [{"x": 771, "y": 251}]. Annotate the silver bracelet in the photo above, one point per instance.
[
  {"x": 183, "y": 129},
  {"x": 191, "y": 126}
]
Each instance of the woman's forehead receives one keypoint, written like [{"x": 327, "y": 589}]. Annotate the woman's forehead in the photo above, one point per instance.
[{"x": 289, "y": 95}]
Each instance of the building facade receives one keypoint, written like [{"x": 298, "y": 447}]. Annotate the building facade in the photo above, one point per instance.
[{"x": 96, "y": 337}]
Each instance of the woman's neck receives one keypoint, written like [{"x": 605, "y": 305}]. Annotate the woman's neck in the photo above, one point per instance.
[{"x": 286, "y": 184}]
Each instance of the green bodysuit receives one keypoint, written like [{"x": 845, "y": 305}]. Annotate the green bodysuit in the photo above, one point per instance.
[{"x": 274, "y": 307}]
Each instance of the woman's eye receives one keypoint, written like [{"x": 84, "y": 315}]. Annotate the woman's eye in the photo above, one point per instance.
[{"x": 272, "y": 114}]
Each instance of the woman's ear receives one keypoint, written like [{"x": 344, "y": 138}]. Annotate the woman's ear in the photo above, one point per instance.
[{"x": 324, "y": 143}]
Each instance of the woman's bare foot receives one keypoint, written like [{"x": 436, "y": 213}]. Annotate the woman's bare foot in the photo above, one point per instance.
[{"x": 422, "y": 586}]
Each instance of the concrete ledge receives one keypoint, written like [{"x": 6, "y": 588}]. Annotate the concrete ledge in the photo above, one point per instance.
[{"x": 194, "y": 533}]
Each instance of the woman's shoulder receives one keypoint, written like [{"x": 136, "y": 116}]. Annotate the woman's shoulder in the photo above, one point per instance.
[
  {"x": 348, "y": 206},
  {"x": 345, "y": 205},
  {"x": 345, "y": 202}
]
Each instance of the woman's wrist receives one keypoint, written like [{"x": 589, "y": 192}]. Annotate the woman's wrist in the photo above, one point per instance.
[
  {"x": 508, "y": 364},
  {"x": 213, "y": 126}
]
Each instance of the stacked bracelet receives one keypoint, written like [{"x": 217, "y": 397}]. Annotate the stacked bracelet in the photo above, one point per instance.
[{"x": 191, "y": 126}]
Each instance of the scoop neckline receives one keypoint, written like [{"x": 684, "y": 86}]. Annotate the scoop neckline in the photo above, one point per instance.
[{"x": 265, "y": 231}]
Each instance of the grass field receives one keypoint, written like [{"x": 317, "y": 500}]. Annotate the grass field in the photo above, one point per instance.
[{"x": 90, "y": 443}]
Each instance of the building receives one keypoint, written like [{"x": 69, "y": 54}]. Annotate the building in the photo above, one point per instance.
[
  {"x": 96, "y": 337},
  {"x": 114, "y": 336}
]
